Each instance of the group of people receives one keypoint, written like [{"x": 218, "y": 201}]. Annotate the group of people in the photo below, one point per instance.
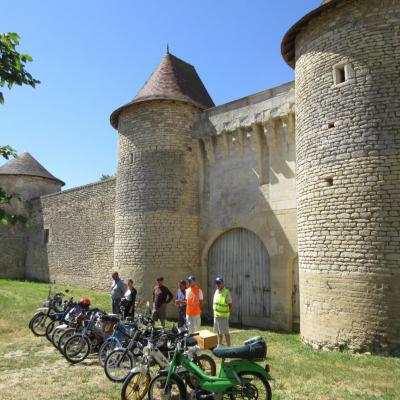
[{"x": 188, "y": 299}]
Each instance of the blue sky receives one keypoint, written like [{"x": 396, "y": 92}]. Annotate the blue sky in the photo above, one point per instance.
[{"x": 93, "y": 56}]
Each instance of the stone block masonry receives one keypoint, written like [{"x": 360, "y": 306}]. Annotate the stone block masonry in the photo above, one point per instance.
[
  {"x": 157, "y": 212},
  {"x": 80, "y": 245},
  {"x": 348, "y": 162}
]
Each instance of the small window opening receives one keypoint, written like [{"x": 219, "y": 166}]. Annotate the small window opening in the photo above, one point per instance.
[
  {"x": 188, "y": 148},
  {"x": 340, "y": 74},
  {"x": 46, "y": 236},
  {"x": 329, "y": 181},
  {"x": 331, "y": 125},
  {"x": 131, "y": 158}
]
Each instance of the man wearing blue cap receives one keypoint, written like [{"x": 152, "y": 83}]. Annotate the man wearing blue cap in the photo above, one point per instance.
[{"x": 222, "y": 306}]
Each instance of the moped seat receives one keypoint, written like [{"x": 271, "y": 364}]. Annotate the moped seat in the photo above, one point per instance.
[
  {"x": 254, "y": 351},
  {"x": 110, "y": 318}
]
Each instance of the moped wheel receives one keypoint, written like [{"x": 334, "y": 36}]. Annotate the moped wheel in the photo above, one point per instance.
[
  {"x": 39, "y": 323},
  {"x": 207, "y": 364},
  {"x": 56, "y": 334},
  {"x": 77, "y": 348},
  {"x": 106, "y": 348},
  {"x": 50, "y": 328},
  {"x": 174, "y": 391},
  {"x": 67, "y": 334},
  {"x": 118, "y": 364},
  {"x": 135, "y": 386},
  {"x": 257, "y": 387}
]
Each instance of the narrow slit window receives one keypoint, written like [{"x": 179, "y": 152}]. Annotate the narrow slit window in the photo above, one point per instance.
[
  {"x": 331, "y": 125},
  {"x": 46, "y": 236},
  {"x": 130, "y": 158}
]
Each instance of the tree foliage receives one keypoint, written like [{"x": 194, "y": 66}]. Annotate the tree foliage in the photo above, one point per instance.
[
  {"x": 7, "y": 218},
  {"x": 12, "y": 72},
  {"x": 105, "y": 177},
  {"x": 12, "y": 64}
]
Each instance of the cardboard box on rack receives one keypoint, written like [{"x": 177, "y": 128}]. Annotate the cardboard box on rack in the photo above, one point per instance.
[{"x": 206, "y": 340}]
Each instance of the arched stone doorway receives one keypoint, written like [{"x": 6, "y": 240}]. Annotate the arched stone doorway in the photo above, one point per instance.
[{"x": 242, "y": 259}]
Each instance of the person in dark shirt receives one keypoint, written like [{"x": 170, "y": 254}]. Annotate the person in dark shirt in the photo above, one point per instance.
[
  {"x": 161, "y": 297},
  {"x": 180, "y": 301},
  {"x": 128, "y": 301}
]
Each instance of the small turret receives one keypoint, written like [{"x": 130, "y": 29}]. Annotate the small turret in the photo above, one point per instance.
[
  {"x": 24, "y": 176},
  {"x": 157, "y": 211}
]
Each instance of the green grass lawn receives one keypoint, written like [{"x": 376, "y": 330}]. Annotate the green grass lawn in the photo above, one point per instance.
[{"x": 31, "y": 368}]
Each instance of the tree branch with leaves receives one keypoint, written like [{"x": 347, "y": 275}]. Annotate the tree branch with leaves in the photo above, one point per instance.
[
  {"x": 12, "y": 72},
  {"x": 12, "y": 64},
  {"x": 7, "y": 218}
]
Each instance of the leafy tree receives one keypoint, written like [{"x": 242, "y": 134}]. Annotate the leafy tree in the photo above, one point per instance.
[
  {"x": 12, "y": 72},
  {"x": 7, "y": 218},
  {"x": 12, "y": 64}
]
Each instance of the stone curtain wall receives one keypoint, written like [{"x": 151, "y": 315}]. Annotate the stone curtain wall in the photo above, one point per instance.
[
  {"x": 13, "y": 242},
  {"x": 157, "y": 216},
  {"x": 348, "y": 176},
  {"x": 81, "y": 235}
]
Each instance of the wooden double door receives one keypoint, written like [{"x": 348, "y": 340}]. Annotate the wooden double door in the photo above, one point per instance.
[{"x": 242, "y": 259}]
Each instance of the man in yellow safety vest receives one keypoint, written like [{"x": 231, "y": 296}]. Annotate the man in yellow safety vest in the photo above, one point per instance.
[{"x": 222, "y": 306}]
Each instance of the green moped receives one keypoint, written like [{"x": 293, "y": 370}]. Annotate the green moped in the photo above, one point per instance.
[{"x": 239, "y": 378}]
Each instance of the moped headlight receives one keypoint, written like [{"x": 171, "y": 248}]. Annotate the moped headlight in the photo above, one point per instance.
[{"x": 146, "y": 351}]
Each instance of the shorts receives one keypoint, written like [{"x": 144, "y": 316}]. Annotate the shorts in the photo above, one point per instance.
[
  {"x": 221, "y": 325},
  {"x": 159, "y": 313},
  {"x": 193, "y": 322}
]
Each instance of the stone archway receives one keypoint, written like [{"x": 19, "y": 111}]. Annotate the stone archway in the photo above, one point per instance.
[{"x": 242, "y": 259}]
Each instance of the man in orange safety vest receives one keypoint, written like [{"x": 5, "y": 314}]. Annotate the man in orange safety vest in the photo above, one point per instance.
[{"x": 194, "y": 302}]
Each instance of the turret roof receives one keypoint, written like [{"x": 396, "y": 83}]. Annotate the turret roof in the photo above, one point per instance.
[
  {"x": 25, "y": 164},
  {"x": 288, "y": 42},
  {"x": 173, "y": 79}
]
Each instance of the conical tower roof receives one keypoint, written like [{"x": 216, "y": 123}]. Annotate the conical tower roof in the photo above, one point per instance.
[
  {"x": 25, "y": 164},
  {"x": 173, "y": 79}
]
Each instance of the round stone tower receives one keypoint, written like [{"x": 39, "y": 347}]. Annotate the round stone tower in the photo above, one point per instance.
[
  {"x": 346, "y": 55},
  {"x": 24, "y": 176},
  {"x": 157, "y": 211}
]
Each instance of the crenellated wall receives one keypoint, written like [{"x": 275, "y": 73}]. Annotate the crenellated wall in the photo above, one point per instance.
[{"x": 247, "y": 168}]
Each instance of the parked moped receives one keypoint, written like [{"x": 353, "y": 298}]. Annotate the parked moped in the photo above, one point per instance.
[{"x": 240, "y": 378}]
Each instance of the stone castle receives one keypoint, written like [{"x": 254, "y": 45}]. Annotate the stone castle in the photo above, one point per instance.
[{"x": 292, "y": 194}]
